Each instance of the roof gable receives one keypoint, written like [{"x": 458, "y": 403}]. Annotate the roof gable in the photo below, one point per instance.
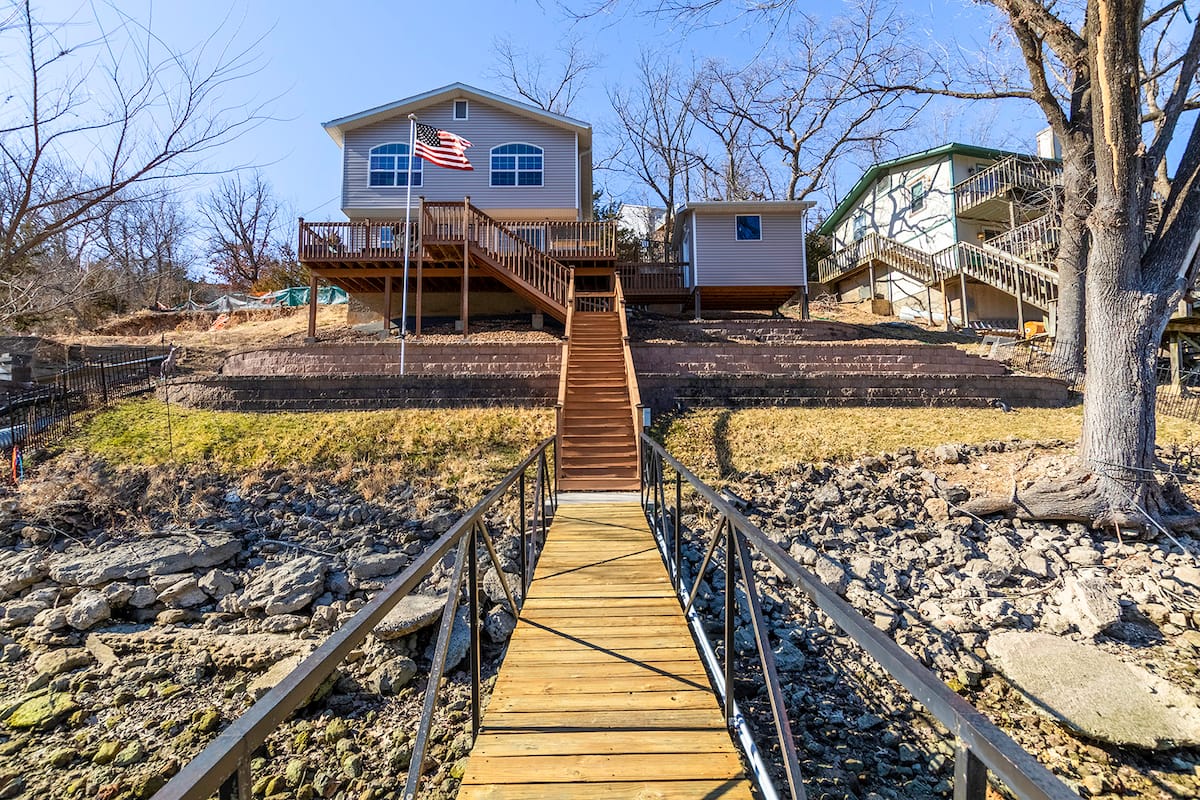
[
  {"x": 876, "y": 170},
  {"x": 455, "y": 91}
]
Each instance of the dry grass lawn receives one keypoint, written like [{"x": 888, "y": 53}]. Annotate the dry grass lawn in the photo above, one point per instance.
[{"x": 719, "y": 443}]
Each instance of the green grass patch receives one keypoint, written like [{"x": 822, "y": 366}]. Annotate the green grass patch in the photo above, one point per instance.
[
  {"x": 456, "y": 446},
  {"x": 718, "y": 443}
]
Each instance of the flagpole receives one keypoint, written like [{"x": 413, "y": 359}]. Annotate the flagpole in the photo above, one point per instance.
[{"x": 412, "y": 143}]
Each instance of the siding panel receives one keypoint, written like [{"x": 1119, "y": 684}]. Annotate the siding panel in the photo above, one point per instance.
[
  {"x": 776, "y": 260},
  {"x": 886, "y": 203},
  {"x": 487, "y": 127}
]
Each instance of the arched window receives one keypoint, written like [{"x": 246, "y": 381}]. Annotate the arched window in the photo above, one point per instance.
[
  {"x": 389, "y": 166},
  {"x": 516, "y": 164}
]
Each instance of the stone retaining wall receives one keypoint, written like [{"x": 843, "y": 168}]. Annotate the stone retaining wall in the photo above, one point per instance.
[
  {"x": 383, "y": 358},
  {"x": 697, "y": 358}
]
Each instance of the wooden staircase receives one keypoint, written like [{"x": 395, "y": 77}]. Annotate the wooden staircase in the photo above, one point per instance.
[{"x": 598, "y": 401}]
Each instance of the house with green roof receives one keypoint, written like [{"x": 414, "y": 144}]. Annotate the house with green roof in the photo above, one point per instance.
[{"x": 957, "y": 232}]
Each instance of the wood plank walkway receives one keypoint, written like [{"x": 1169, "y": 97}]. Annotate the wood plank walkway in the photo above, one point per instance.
[{"x": 602, "y": 693}]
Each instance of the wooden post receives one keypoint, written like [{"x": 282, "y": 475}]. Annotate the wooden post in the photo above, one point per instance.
[
  {"x": 962, "y": 282},
  {"x": 387, "y": 305},
  {"x": 420, "y": 258},
  {"x": 300, "y": 241},
  {"x": 466, "y": 259},
  {"x": 1175, "y": 348},
  {"x": 945, "y": 305},
  {"x": 1020, "y": 303},
  {"x": 871, "y": 287},
  {"x": 312, "y": 309},
  {"x": 929, "y": 303}
]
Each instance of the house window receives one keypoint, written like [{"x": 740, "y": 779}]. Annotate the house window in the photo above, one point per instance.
[
  {"x": 748, "y": 227},
  {"x": 389, "y": 166},
  {"x": 860, "y": 225},
  {"x": 460, "y": 109},
  {"x": 917, "y": 196},
  {"x": 517, "y": 164}
]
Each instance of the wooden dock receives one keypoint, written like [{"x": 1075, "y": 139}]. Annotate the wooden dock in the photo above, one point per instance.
[{"x": 602, "y": 693}]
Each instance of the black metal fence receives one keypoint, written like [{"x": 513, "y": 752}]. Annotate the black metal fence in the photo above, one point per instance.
[
  {"x": 44, "y": 412},
  {"x": 1178, "y": 398},
  {"x": 1034, "y": 356}
]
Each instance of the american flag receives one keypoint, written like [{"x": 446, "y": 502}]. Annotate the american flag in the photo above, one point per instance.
[{"x": 442, "y": 147}]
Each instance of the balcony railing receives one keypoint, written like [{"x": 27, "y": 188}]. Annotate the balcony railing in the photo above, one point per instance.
[
  {"x": 657, "y": 278},
  {"x": 1009, "y": 174},
  {"x": 1035, "y": 241}
]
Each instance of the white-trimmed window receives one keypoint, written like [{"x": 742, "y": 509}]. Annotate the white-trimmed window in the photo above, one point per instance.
[
  {"x": 461, "y": 109},
  {"x": 389, "y": 166},
  {"x": 859, "y": 225},
  {"x": 517, "y": 164},
  {"x": 916, "y": 195},
  {"x": 748, "y": 227}
]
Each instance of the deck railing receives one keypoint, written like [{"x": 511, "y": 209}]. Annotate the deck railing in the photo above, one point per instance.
[
  {"x": 1006, "y": 175},
  {"x": 1030, "y": 283},
  {"x": 342, "y": 241},
  {"x": 224, "y": 765},
  {"x": 635, "y": 395},
  {"x": 652, "y": 278},
  {"x": 1036, "y": 241},
  {"x": 915, "y": 262},
  {"x": 980, "y": 745}
]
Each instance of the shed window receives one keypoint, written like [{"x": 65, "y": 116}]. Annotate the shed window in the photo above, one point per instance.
[
  {"x": 917, "y": 196},
  {"x": 748, "y": 227},
  {"x": 517, "y": 164},
  {"x": 460, "y": 109},
  {"x": 389, "y": 166}
]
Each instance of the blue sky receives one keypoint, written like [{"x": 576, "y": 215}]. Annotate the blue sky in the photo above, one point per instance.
[{"x": 321, "y": 60}]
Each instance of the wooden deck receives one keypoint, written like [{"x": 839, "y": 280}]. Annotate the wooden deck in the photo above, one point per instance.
[{"x": 602, "y": 693}]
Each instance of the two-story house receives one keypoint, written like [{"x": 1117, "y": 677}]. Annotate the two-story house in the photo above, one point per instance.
[
  {"x": 515, "y": 233},
  {"x": 956, "y": 232}
]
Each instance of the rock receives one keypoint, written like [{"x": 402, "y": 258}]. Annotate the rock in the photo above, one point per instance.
[
  {"x": 143, "y": 597},
  {"x": 118, "y": 594},
  {"x": 131, "y": 753},
  {"x": 788, "y": 657},
  {"x": 460, "y": 640},
  {"x": 63, "y": 660},
  {"x": 283, "y": 623},
  {"x": 499, "y": 624},
  {"x": 23, "y": 611},
  {"x": 392, "y": 676},
  {"x": 185, "y": 593},
  {"x": 107, "y": 752},
  {"x": 88, "y": 609},
  {"x": 990, "y": 572},
  {"x": 272, "y": 677},
  {"x": 948, "y": 453},
  {"x": 216, "y": 583},
  {"x": 1090, "y": 603},
  {"x": 827, "y": 495},
  {"x": 1096, "y": 693},
  {"x": 143, "y": 558},
  {"x": 42, "y": 711},
  {"x": 378, "y": 564},
  {"x": 832, "y": 574},
  {"x": 52, "y": 619},
  {"x": 411, "y": 614},
  {"x": 494, "y": 590},
  {"x": 282, "y": 589},
  {"x": 20, "y": 570},
  {"x": 938, "y": 509}
]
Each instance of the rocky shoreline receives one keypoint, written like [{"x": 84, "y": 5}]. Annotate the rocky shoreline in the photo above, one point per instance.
[{"x": 141, "y": 611}]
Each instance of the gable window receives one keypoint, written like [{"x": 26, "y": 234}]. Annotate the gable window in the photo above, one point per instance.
[
  {"x": 748, "y": 227},
  {"x": 517, "y": 164},
  {"x": 917, "y": 196},
  {"x": 860, "y": 225},
  {"x": 460, "y": 109},
  {"x": 389, "y": 166}
]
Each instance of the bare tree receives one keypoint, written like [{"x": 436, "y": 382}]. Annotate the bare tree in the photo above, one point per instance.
[
  {"x": 143, "y": 245},
  {"x": 552, "y": 87},
  {"x": 243, "y": 228},
  {"x": 653, "y": 133},
  {"x": 89, "y": 124}
]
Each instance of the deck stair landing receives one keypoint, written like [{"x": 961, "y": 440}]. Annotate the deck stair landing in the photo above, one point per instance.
[
  {"x": 598, "y": 443},
  {"x": 602, "y": 693}
]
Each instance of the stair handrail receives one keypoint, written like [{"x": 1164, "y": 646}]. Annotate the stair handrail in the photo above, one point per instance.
[
  {"x": 980, "y": 745},
  {"x": 848, "y": 258},
  {"x": 535, "y": 268},
  {"x": 224, "y": 765},
  {"x": 1032, "y": 283},
  {"x": 877, "y": 246},
  {"x": 635, "y": 395},
  {"x": 561, "y": 404},
  {"x": 1039, "y": 237}
]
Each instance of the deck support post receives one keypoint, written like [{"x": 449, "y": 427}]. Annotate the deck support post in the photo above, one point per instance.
[
  {"x": 466, "y": 259},
  {"x": 1020, "y": 302},
  {"x": 312, "y": 308},
  {"x": 1175, "y": 348},
  {"x": 945, "y": 306},
  {"x": 929, "y": 303},
  {"x": 387, "y": 306},
  {"x": 962, "y": 282},
  {"x": 420, "y": 261},
  {"x": 871, "y": 284}
]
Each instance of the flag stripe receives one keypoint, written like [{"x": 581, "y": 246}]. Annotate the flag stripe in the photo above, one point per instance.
[{"x": 442, "y": 148}]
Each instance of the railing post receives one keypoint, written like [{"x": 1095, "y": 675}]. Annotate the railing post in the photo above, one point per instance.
[
  {"x": 300, "y": 239},
  {"x": 730, "y": 617},
  {"x": 473, "y": 610},
  {"x": 524, "y": 540},
  {"x": 678, "y": 514},
  {"x": 970, "y": 774},
  {"x": 237, "y": 786}
]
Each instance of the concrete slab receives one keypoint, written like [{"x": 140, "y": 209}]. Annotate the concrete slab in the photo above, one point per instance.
[{"x": 1096, "y": 693}]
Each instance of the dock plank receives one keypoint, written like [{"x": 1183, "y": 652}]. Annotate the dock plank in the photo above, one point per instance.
[{"x": 602, "y": 693}]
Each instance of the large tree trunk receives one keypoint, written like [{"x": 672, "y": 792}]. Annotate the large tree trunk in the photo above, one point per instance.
[{"x": 1071, "y": 259}]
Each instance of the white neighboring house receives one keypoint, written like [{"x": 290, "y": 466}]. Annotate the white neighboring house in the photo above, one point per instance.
[
  {"x": 960, "y": 231},
  {"x": 642, "y": 221}
]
